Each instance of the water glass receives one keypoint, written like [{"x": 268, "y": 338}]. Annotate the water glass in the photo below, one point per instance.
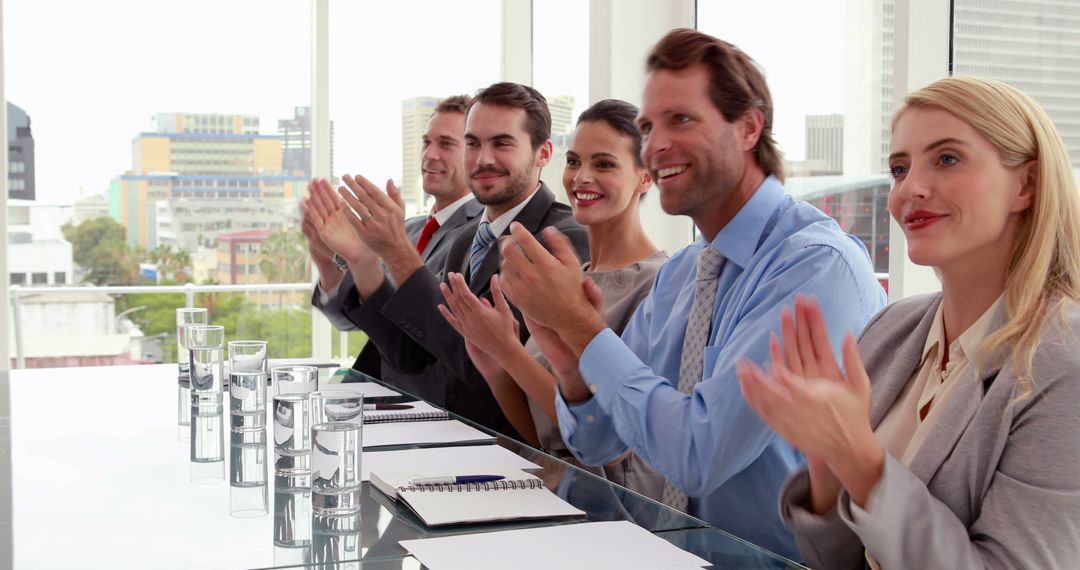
[
  {"x": 337, "y": 406},
  {"x": 292, "y": 434},
  {"x": 335, "y": 468},
  {"x": 207, "y": 443},
  {"x": 247, "y": 400},
  {"x": 249, "y": 355},
  {"x": 206, "y": 343},
  {"x": 247, "y": 474},
  {"x": 185, "y": 316},
  {"x": 336, "y": 540},
  {"x": 295, "y": 379},
  {"x": 292, "y": 521}
]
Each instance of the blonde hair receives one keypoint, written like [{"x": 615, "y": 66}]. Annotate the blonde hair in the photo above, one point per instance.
[{"x": 1044, "y": 267}]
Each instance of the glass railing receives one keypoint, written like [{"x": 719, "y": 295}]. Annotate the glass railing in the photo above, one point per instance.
[{"x": 110, "y": 325}]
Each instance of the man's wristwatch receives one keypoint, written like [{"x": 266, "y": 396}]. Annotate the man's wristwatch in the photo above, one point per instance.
[{"x": 342, "y": 265}]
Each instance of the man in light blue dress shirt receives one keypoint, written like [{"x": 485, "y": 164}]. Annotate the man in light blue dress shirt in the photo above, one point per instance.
[{"x": 706, "y": 117}]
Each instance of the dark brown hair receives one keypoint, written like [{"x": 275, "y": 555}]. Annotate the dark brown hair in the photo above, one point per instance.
[
  {"x": 454, "y": 104},
  {"x": 618, "y": 115},
  {"x": 517, "y": 96},
  {"x": 736, "y": 83}
]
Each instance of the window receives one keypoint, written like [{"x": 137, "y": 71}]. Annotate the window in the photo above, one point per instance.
[
  {"x": 834, "y": 136},
  {"x": 17, "y": 166},
  {"x": 18, "y": 278},
  {"x": 60, "y": 278},
  {"x": 561, "y": 73},
  {"x": 447, "y": 48},
  {"x": 1031, "y": 46},
  {"x": 39, "y": 278}
]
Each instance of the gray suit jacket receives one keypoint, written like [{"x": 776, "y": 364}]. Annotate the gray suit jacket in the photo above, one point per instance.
[{"x": 996, "y": 484}]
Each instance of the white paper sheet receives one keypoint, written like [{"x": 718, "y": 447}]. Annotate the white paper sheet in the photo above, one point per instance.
[
  {"x": 447, "y": 460},
  {"x": 370, "y": 389},
  {"x": 619, "y": 545},
  {"x": 421, "y": 433}
]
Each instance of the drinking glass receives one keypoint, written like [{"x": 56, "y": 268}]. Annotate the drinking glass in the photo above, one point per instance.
[
  {"x": 335, "y": 541},
  {"x": 292, "y": 521},
  {"x": 337, "y": 406},
  {"x": 206, "y": 344},
  {"x": 247, "y": 474},
  {"x": 335, "y": 468},
  {"x": 247, "y": 400},
  {"x": 185, "y": 316},
  {"x": 207, "y": 442},
  {"x": 295, "y": 379},
  {"x": 248, "y": 355},
  {"x": 292, "y": 434}
]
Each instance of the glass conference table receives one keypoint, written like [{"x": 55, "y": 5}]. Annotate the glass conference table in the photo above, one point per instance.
[{"x": 100, "y": 480}]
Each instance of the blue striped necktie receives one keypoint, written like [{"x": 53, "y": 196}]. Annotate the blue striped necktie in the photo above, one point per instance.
[{"x": 480, "y": 246}]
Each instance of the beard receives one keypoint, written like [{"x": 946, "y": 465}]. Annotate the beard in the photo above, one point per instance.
[{"x": 516, "y": 185}]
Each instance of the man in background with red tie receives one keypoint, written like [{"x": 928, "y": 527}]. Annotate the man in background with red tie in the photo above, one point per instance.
[{"x": 444, "y": 178}]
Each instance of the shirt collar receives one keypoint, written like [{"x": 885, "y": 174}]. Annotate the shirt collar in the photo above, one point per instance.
[
  {"x": 499, "y": 225},
  {"x": 443, "y": 215},
  {"x": 738, "y": 240},
  {"x": 969, "y": 340}
]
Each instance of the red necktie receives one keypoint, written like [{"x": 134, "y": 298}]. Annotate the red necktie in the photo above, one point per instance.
[{"x": 425, "y": 234}]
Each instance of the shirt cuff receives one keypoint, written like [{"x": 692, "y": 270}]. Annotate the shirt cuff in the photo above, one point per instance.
[
  {"x": 605, "y": 362},
  {"x": 324, "y": 295},
  {"x": 794, "y": 496}
]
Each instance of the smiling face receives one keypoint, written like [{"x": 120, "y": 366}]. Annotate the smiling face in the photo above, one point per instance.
[
  {"x": 503, "y": 167},
  {"x": 695, "y": 156},
  {"x": 443, "y": 157},
  {"x": 958, "y": 204},
  {"x": 602, "y": 178}
]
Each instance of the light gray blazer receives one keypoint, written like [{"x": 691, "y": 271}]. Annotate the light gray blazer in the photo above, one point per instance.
[{"x": 993, "y": 485}]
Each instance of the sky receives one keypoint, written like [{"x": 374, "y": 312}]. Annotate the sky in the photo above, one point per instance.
[{"x": 91, "y": 75}]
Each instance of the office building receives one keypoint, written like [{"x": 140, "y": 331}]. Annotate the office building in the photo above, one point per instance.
[
  {"x": 295, "y": 136},
  {"x": 415, "y": 113},
  {"x": 825, "y": 143},
  {"x": 20, "y": 154},
  {"x": 216, "y": 168},
  {"x": 1033, "y": 46},
  {"x": 562, "y": 114}
]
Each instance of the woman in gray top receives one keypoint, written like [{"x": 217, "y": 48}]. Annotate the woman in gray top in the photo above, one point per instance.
[
  {"x": 963, "y": 451},
  {"x": 604, "y": 181}
]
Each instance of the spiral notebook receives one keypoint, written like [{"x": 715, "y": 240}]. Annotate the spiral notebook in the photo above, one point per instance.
[
  {"x": 420, "y": 412},
  {"x": 519, "y": 496}
]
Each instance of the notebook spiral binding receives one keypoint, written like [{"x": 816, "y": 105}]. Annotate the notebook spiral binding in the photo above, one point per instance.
[
  {"x": 408, "y": 417},
  {"x": 469, "y": 487}
]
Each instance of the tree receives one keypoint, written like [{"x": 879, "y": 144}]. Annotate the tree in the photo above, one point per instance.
[
  {"x": 100, "y": 247},
  {"x": 284, "y": 258},
  {"x": 182, "y": 265}
]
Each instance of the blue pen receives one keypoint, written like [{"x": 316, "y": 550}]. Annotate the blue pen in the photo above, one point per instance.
[{"x": 456, "y": 479}]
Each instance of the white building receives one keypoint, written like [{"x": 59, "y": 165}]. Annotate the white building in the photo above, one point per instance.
[{"x": 38, "y": 254}]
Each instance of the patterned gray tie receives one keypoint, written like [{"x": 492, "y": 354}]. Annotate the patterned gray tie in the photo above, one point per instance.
[
  {"x": 698, "y": 327},
  {"x": 481, "y": 244}
]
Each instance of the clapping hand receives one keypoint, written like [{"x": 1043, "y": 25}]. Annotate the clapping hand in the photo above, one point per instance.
[
  {"x": 813, "y": 404},
  {"x": 335, "y": 225}
]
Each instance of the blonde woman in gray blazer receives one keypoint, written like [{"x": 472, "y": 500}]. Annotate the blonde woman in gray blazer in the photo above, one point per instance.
[{"x": 949, "y": 437}]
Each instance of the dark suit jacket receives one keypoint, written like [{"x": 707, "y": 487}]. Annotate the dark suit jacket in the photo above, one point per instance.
[
  {"x": 411, "y": 334},
  {"x": 369, "y": 361}
]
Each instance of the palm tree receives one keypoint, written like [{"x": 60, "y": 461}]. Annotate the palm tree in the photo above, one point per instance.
[
  {"x": 163, "y": 256},
  {"x": 283, "y": 257},
  {"x": 182, "y": 265}
]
